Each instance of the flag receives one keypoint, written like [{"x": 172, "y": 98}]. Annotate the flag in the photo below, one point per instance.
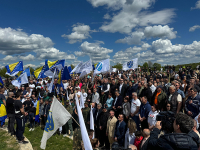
[
  {"x": 51, "y": 84},
  {"x": 69, "y": 69},
  {"x": 76, "y": 69},
  {"x": 58, "y": 64},
  {"x": 58, "y": 116},
  {"x": 27, "y": 70},
  {"x": 66, "y": 73},
  {"x": 103, "y": 66},
  {"x": 133, "y": 64},
  {"x": 86, "y": 68},
  {"x": 37, "y": 117},
  {"x": 22, "y": 79},
  {"x": 39, "y": 73},
  {"x": 84, "y": 134},
  {"x": 13, "y": 69},
  {"x": 91, "y": 119},
  {"x": 3, "y": 114},
  {"x": 1, "y": 83}
]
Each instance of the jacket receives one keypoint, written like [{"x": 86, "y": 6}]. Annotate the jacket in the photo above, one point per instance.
[
  {"x": 145, "y": 146},
  {"x": 95, "y": 98},
  {"x": 162, "y": 97},
  {"x": 103, "y": 118},
  {"x": 103, "y": 99},
  {"x": 173, "y": 141},
  {"x": 96, "y": 116},
  {"x": 46, "y": 109},
  {"x": 146, "y": 92},
  {"x": 144, "y": 110},
  {"x": 194, "y": 106},
  {"x": 123, "y": 90},
  {"x": 130, "y": 90},
  {"x": 118, "y": 102},
  {"x": 126, "y": 109},
  {"x": 173, "y": 101},
  {"x": 111, "y": 124},
  {"x": 120, "y": 131}
]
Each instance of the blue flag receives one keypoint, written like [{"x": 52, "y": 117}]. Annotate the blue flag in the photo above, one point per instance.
[
  {"x": 69, "y": 69},
  {"x": 66, "y": 73},
  {"x": 1, "y": 83},
  {"x": 13, "y": 69}
]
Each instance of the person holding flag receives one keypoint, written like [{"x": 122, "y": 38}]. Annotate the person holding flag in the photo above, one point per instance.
[{"x": 3, "y": 114}]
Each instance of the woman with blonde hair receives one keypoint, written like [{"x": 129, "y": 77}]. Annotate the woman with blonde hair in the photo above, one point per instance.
[{"x": 130, "y": 133}]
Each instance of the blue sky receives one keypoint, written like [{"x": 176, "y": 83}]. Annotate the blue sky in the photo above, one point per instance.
[{"x": 162, "y": 31}]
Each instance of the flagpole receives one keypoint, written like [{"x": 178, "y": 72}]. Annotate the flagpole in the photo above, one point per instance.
[{"x": 75, "y": 121}]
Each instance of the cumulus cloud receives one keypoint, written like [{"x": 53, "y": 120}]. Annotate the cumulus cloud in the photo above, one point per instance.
[
  {"x": 29, "y": 57},
  {"x": 18, "y": 42},
  {"x": 133, "y": 14},
  {"x": 149, "y": 32},
  {"x": 79, "y": 33},
  {"x": 197, "y": 5},
  {"x": 194, "y": 28},
  {"x": 160, "y": 32},
  {"x": 30, "y": 65},
  {"x": 94, "y": 50},
  {"x": 165, "y": 46},
  {"x": 106, "y": 16}
]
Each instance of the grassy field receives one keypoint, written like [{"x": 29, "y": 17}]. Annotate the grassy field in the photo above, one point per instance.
[
  {"x": 7, "y": 142},
  {"x": 56, "y": 142}
]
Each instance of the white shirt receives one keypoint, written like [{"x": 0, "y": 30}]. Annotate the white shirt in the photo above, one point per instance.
[
  {"x": 65, "y": 85},
  {"x": 153, "y": 88},
  {"x": 32, "y": 86},
  {"x": 179, "y": 98},
  {"x": 84, "y": 96},
  {"x": 134, "y": 104},
  {"x": 120, "y": 88},
  {"x": 152, "y": 117}
]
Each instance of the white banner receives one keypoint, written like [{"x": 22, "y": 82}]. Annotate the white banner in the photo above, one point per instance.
[{"x": 133, "y": 64}]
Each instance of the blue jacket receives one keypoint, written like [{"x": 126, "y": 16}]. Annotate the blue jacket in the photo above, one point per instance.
[
  {"x": 120, "y": 131},
  {"x": 194, "y": 106},
  {"x": 131, "y": 90},
  {"x": 144, "y": 110}
]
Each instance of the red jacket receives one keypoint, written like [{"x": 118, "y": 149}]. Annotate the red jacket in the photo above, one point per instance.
[{"x": 138, "y": 142}]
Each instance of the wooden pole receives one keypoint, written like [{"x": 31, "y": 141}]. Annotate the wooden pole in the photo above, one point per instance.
[{"x": 75, "y": 121}]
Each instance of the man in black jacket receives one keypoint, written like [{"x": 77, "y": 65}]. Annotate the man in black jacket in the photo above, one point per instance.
[
  {"x": 103, "y": 118},
  {"x": 183, "y": 137},
  {"x": 117, "y": 104},
  {"x": 146, "y": 92},
  {"x": 10, "y": 109}
]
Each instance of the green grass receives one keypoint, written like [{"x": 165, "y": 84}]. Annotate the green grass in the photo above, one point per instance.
[
  {"x": 57, "y": 142},
  {"x": 7, "y": 142}
]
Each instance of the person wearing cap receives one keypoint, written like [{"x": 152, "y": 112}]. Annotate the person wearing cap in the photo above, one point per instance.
[
  {"x": 68, "y": 125},
  {"x": 86, "y": 114},
  {"x": 159, "y": 98}
]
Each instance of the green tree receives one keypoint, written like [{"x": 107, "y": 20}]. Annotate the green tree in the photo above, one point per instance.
[
  {"x": 3, "y": 72},
  {"x": 72, "y": 66},
  {"x": 145, "y": 65},
  {"x": 157, "y": 65},
  {"x": 118, "y": 66}
]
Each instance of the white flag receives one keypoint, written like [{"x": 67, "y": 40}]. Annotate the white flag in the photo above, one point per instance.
[
  {"x": 103, "y": 66},
  {"x": 51, "y": 84},
  {"x": 91, "y": 119},
  {"x": 82, "y": 101},
  {"x": 84, "y": 134},
  {"x": 57, "y": 117},
  {"x": 76, "y": 69},
  {"x": 24, "y": 78},
  {"x": 133, "y": 64},
  {"x": 86, "y": 68}
]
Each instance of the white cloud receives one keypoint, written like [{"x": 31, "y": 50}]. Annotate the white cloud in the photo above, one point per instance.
[
  {"x": 134, "y": 38},
  {"x": 28, "y": 57},
  {"x": 106, "y": 16},
  {"x": 114, "y": 4},
  {"x": 30, "y": 65},
  {"x": 160, "y": 32},
  {"x": 94, "y": 51},
  {"x": 17, "y": 42},
  {"x": 150, "y": 31},
  {"x": 165, "y": 46},
  {"x": 79, "y": 33},
  {"x": 197, "y": 5},
  {"x": 133, "y": 14},
  {"x": 194, "y": 28},
  {"x": 42, "y": 63},
  {"x": 9, "y": 58}
]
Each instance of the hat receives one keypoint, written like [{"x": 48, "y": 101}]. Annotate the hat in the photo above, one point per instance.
[{"x": 41, "y": 87}]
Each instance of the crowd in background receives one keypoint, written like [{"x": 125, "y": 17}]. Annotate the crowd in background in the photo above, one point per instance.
[{"x": 124, "y": 105}]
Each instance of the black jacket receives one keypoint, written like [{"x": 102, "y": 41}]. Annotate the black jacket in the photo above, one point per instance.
[
  {"x": 96, "y": 116},
  {"x": 173, "y": 141},
  {"x": 146, "y": 92},
  {"x": 103, "y": 118}
]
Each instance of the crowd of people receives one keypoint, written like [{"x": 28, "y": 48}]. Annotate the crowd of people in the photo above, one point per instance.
[{"x": 125, "y": 106}]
